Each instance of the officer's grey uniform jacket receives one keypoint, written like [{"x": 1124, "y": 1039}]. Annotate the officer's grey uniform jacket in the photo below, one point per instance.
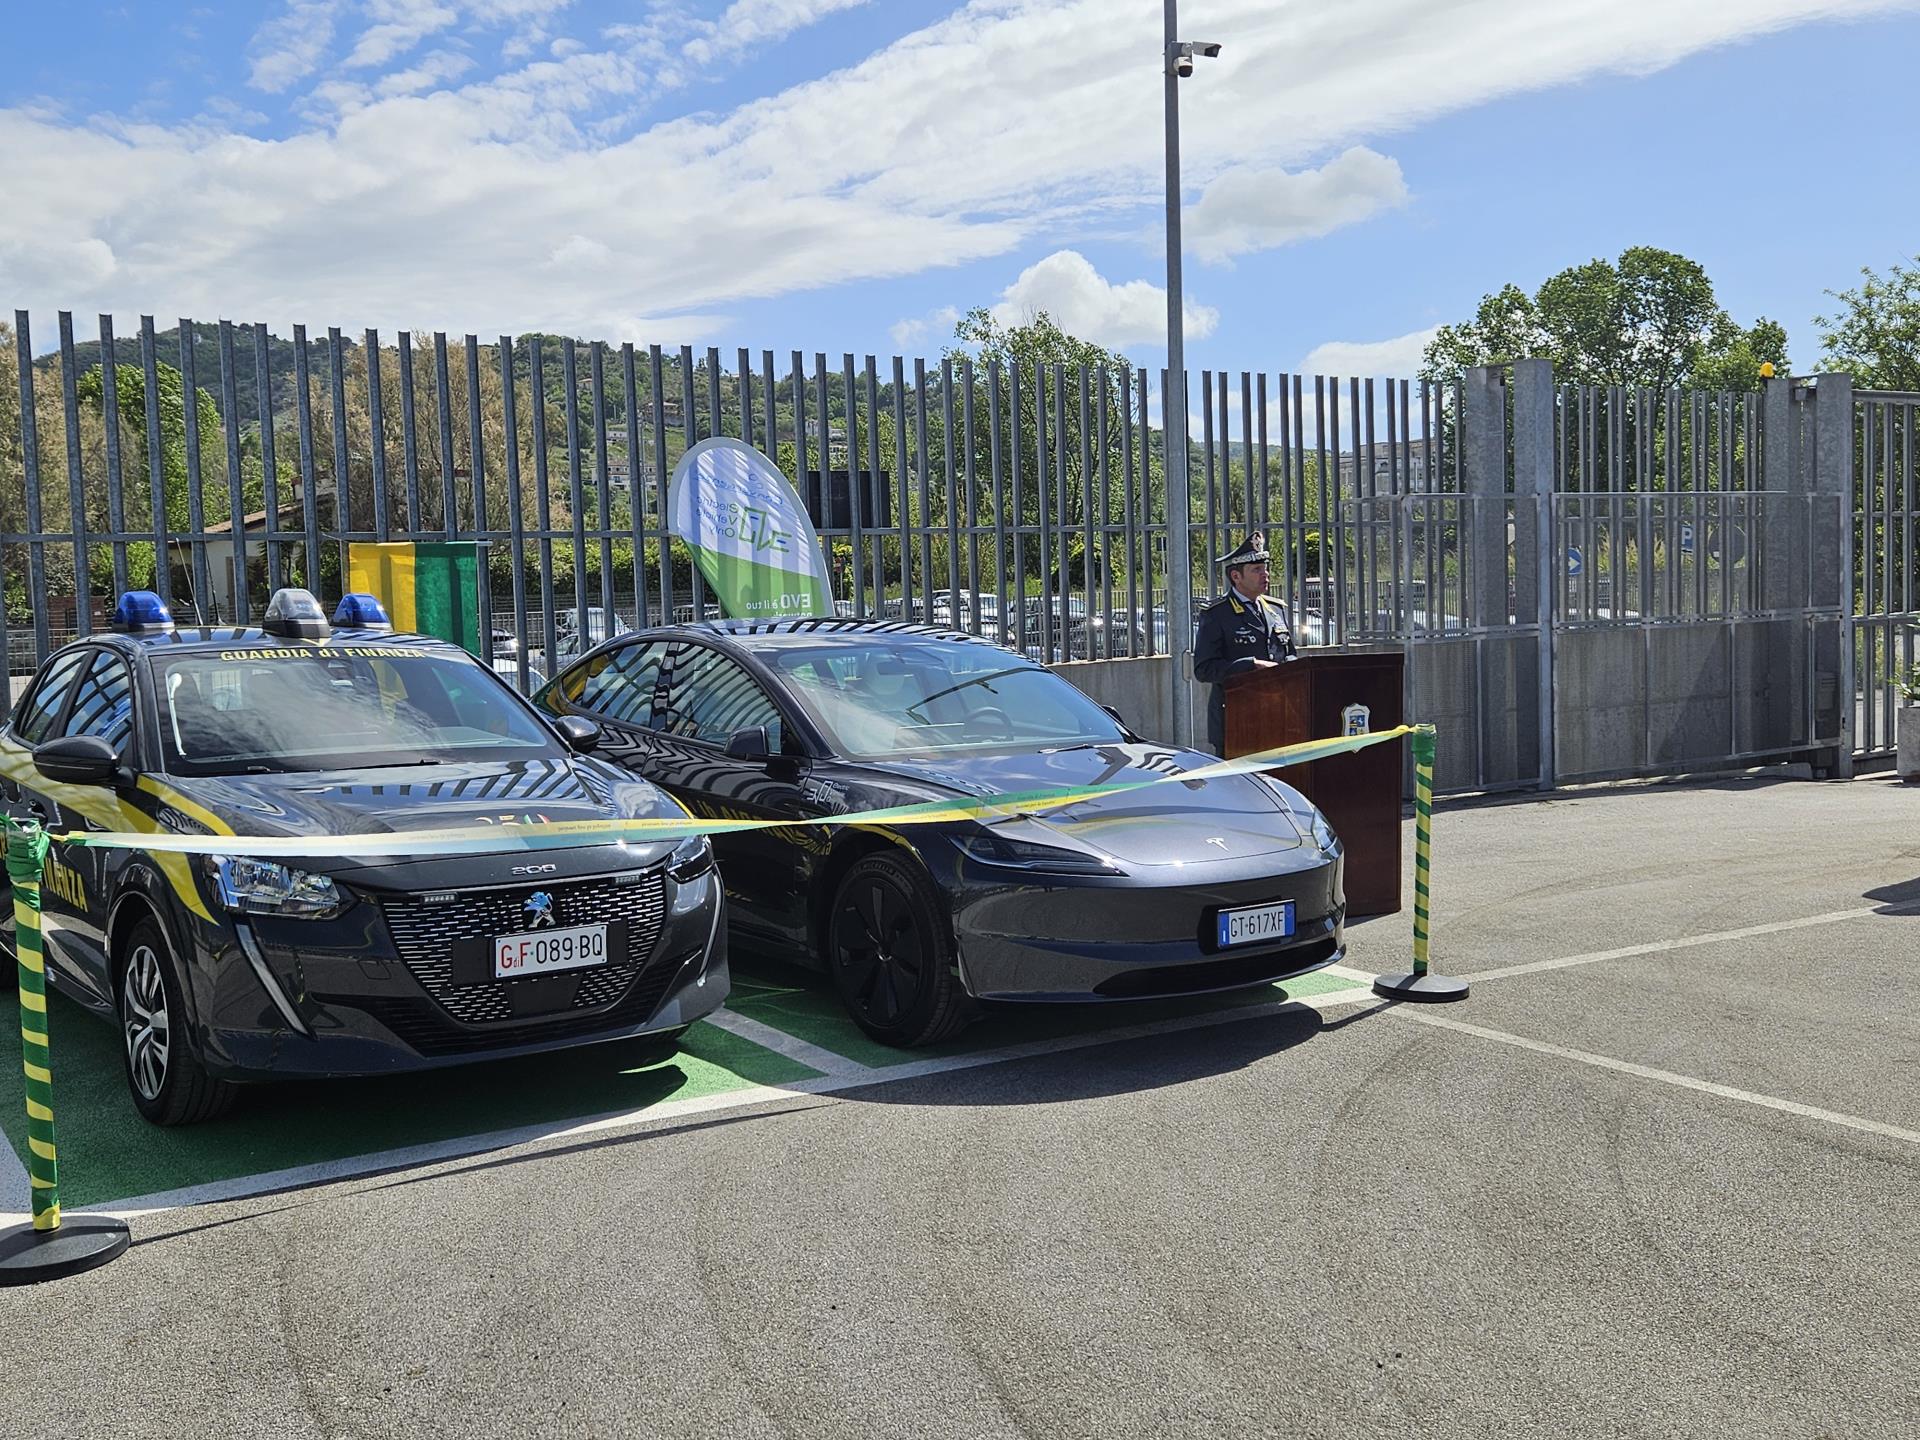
[{"x": 1233, "y": 634}]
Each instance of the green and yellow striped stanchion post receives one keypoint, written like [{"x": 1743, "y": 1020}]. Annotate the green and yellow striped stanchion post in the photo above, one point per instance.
[
  {"x": 47, "y": 1247},
  {"x": 1418, "y": 984}
]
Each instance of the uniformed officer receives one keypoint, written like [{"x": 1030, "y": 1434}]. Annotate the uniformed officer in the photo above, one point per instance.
[{"x": 1239, "y": 632}]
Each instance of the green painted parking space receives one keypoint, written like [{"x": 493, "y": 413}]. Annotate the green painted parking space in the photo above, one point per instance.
[{"x": 108, "y": 1153}]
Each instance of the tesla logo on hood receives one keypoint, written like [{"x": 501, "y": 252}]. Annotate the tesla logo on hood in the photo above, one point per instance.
[
  {"x": 1217, "y": 840},
  {"x": 538, "y": 910}
]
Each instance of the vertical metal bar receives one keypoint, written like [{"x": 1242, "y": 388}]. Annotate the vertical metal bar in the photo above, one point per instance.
[
  {"x": 1366, "y": 567},
  {"x": 971, "y": 479},
  {"x": 690, "y": 429},
  {"x": 1335, "y": 512},
  {"x": 342, "y": 462},
  {"x": 663, "y": 542},
  {"x": 1102, "y": 442},
  {"x": 743, "y": 368},
  {"x": 36, "y": 525},
  {"x": 997, "y": 480},
  {"x": 477, "y": 477},
  {"x": 543, "y": 503},
  {"x": 1043, "y": 507},
  {"x": 1086, "y": 510},
  {"x": 443, "y": 409},
  {"x": 1206, "y": 471},
  {"x": 269, "y": 462},
  {"x": 856, "y": 484},
  {"x": 1133, "y": 490},
  {"x": 1300, "y": 506},
  {"x": 576, "y": 492},
  {"x": 516, "y": 521},
  {"x": 773, "y": 405},
  {"x": 76, "y": 495},
  {"x": 602, "y": 479},
  {"x": 1254, "y": 474},
  {"x": 952, "y": 506},
  {"x": 156, "y": 475},
  {"x": 236, "y": 497},
  {"x": 713, "y": 391},
  {"x": 309, "y": 469},
  {"x": 1013, "y": 622},
  {"x": 1291, "y": 587},
  {"x": 110, "y": 418},
  {"x": 874, "y": 478},
  {"x": 378, "y": 448},
  {"x": 926, "y": 512},
  {"x": 1398, "y": 620},
  {"x": 410, "y": 440},
  {"x": 1147, "y": 526},
  {"x": 1062, "y": 527},
  {"x": 902, "y": 511},
  {"x": 636, "y": 499},
  {"x": 809, "y": 480}
]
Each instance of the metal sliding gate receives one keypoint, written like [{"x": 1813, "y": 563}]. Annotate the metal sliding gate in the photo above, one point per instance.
[{"x": 1885, "y": 539}]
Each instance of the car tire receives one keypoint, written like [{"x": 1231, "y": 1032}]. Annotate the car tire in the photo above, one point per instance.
[
  {"x": 892, "y": 956},
  {"x": 168, "y": 1084}
]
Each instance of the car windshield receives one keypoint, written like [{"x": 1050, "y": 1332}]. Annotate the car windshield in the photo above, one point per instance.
[
  {"x": 891, "y": 699},
  {"x": 336, "y": 707}
]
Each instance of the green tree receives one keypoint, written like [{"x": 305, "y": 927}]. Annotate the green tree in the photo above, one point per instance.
[
  {"x": 1875, "y": 334},
  {"x": 1650, "y": 319}
]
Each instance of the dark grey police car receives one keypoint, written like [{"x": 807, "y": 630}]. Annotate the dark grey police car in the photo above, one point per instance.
[
  {"x": 359, "y": 959},
  {"x": 1176, "y": 889}
]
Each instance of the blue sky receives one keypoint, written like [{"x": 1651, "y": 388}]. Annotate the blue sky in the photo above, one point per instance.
[{"x": 844, "y": 174}]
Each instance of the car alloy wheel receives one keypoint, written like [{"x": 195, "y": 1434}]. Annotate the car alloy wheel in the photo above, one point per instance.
[
  {"x": 143, "y": 1010},
  {"x": 892, "y": 956}
]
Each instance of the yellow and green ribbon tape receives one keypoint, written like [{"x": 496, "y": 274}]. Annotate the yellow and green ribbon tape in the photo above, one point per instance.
[
  {"x": 650, "y": 830},
  {"x": 1423, "y": 750},
  {"x": 27, "y": 848}
]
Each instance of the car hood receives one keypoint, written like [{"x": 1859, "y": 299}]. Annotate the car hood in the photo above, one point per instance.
[
  {"x": 401, "y": 799},
  {"x": 1179, "y": 822}
]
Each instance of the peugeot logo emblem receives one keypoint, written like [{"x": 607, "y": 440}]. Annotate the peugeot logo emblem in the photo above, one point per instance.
[{"x": 538, "y": 911}]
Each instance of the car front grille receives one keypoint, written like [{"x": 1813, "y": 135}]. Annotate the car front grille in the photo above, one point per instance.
[{"x": 425, "y": 935}]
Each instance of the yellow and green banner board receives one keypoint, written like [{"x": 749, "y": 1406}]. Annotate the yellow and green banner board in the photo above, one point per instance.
[{"x": 428, "y": 587}]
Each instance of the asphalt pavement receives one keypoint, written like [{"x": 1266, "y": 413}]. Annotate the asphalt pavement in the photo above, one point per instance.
[{"x": 1656, "y": 1177}]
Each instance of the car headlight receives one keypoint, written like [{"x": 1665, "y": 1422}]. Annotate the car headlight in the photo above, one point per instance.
[
  {"x": 262, "y": 887},
  {"x": 691, "y": 858},
  {"x": 991, "y": 849}
]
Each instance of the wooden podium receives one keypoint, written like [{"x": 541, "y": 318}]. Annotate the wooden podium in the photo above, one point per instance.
[{"x": 1306, "y": 699}]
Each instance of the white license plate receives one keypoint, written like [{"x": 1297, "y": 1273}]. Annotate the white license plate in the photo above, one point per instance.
[
  {"x": 541, "y": 952},
  {"x": 1256, "y": 922}
]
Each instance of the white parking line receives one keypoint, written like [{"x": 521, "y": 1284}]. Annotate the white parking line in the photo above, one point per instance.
[
  {"x": 413, "y": 1156},
  {"x": 793, "y": 1047},
  {"x": 1687, "y": 942},
  {"x": 1663, "y": 1077}
]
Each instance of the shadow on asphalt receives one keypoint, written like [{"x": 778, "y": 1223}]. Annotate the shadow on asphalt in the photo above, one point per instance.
[
  {"x": 1895, "y": 899},
  {"x": 1124, "y": 1065},
  {"x": 1622, "y": 790}
]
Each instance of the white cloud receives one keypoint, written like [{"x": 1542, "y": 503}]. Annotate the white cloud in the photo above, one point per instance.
[
  {"x": 434, "y": 70},
  {"x": 1087, "y": 304},
  {"x": 1250, "y": 208},
  {"x": 746, "y": 24},
  {"x": 288, "y": 49},
  {"x": 909, "y": 333},
  {"x": 1398, "y": 357},
  {"x": 1006, "y": 121},
  {"x": 404, "y": 24}
]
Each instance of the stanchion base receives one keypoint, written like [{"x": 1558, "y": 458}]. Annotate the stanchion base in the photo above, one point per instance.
[
  {"x": 1428, "y": 988},
  {"x": 83, "y": 1242}
]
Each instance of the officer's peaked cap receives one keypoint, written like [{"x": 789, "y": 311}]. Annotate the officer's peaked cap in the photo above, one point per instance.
[{"x": 1251, "y": 551}]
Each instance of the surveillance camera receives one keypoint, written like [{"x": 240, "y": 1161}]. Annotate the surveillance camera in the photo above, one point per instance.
[
  {"x": 1207, "y": 49},
  {"x": 1183, "y": 66}
]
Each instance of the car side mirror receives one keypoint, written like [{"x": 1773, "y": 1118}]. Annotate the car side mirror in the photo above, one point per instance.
[
  {"x": 750, "y": 743},
  {"x": 581, "y": 734},
  {"x": 81, "y": 760}
]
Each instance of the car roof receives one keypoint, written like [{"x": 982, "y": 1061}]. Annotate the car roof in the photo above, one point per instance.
[
  {"x": 210, "y": 639},
  {"x": 816, "y": 628}
]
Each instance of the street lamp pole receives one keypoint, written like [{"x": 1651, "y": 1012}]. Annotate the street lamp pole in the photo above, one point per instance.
[{"x": 1178, "y": 64}]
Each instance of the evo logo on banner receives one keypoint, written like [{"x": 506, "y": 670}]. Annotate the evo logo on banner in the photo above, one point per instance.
[{"x": 748, "y": 533}]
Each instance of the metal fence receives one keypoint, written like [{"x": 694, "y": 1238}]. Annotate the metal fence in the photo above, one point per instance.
[
  {"x": 1024, "y": 502},
  {"x": 1885, "y": 540}
]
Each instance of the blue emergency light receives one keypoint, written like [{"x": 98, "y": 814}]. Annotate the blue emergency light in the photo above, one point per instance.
[
  {"x": 142, "y": 611},
  {"x": 361, "y": 611}
]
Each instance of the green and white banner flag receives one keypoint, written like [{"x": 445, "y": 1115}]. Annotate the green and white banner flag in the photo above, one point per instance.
[{"x": 748, "y": 533}]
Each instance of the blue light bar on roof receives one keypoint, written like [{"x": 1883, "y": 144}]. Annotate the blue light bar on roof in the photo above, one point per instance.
[
  {"x": 141, "y": 611},
  {"x": 360, "y": 611}
]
